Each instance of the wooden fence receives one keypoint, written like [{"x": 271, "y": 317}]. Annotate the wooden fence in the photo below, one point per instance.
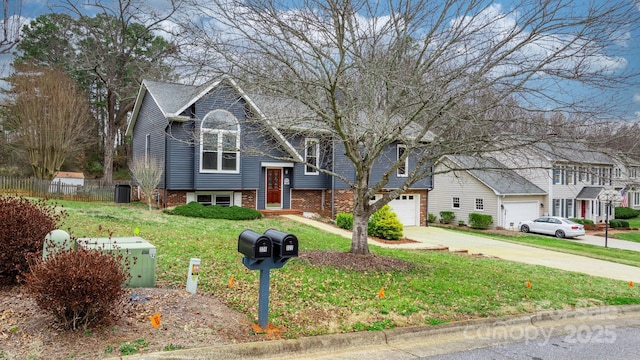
[{"x": 91, "y": 190}]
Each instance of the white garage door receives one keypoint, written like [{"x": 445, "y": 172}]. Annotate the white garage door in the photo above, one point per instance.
[
  {"x": 516, "y": 212},
  {"x": 407, "y": 207}
]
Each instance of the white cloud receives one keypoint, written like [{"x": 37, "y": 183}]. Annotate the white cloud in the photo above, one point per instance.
[{"x": 636, "y": 98}]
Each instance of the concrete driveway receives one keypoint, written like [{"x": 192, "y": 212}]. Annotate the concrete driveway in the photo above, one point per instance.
[{"x": 434, "y": 236}]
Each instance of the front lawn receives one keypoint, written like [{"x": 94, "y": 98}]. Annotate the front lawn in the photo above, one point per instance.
[{"x": 307, "y": 299}]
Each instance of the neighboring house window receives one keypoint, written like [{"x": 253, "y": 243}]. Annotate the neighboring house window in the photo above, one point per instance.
[
  {"x": 147, "y": 150},
  {"x": 480, "y": 204},
  {"x": 311, "y": 156},
  {"x": 618, "y": 173},
  {"x": 569, "y": 177},
  {"x": 557, "y": 177},
  {"x": 404, "y": 167},
  {"x": 220, "y": 141},
  {"x": 633, "y": 172},
  {"x": 455, "y": 203},
  {"x": 556, "y": 207},
  {"x": 636, "y": 199},
  {"x": 569, "y": 208}
]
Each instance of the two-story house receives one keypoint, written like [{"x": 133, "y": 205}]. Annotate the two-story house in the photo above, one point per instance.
[
  {"x": 626, "y": 179},
  {"x": 527, "y": 182},
  {"x": 222, "y": 146}
]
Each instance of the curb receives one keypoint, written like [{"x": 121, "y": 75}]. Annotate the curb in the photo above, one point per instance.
[{"x": 341, "y": 342}]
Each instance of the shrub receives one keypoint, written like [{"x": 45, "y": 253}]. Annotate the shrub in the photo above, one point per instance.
[
  {"x": 344, "y": 221},
  {"x": 24, "y": 225},
  {"x": 617, "y": 223},
  {"x": 626, "y": 213},
  {"x": 80, "y": 287},
  {"x": 195, "y": 209},
  {"x": 480, "y": 221},
  {"x": 446, "y": 217},
  {"x": 432, "y": 218},
  {"x": 385, "y": 224}
]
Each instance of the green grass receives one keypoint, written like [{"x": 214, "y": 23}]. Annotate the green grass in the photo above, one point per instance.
[
  {"x": 307, "y": 300},
  {"x": 620, "y": 256}
]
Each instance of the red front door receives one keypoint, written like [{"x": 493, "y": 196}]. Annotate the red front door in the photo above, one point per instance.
[
  {"x": 274, "y": 187},
  {"x": 583, "y": 211}
]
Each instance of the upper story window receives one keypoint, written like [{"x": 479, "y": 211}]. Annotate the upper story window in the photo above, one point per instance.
[
  {"x": 617, "y": 172},
  {"x": 220, "y": 143},
  {"x": 311, "y": 156},
  {"x": 633, "y": 173},
  {"x": 455, "y": 202},
  {"x": 404, "y": 167},
  {"x": 557, "y": 176},
  {"x": 147, "y": 150}
]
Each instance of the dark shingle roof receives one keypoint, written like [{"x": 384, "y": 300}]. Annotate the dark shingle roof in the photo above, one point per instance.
[
  {"x": 589, "y": 193},
  {"x": 496, "y": 176}
]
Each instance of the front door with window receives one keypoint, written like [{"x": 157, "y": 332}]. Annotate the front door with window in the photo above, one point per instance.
[{"x": 274, "y": 188}]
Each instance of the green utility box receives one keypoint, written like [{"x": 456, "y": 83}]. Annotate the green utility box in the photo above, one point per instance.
[{"x": 140, "y": 253}]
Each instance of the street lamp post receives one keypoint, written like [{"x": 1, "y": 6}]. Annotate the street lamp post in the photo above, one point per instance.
[{"x": 608, "y": 197}]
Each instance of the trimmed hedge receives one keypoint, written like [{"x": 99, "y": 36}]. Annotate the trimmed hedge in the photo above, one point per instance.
[
  {"x": 447, "y": 217},
  {"x": 617, "y": 223},
  {"x": 480, "y": 221},
  {"x": 195, "y": 209},
  {"x": 582, "y": 221},
  {"x": 626, "y": 213},
  {"x": 344, "y": 221},
  {"x": 432, "y": 218},
  {"x": 385, "y": 224}
]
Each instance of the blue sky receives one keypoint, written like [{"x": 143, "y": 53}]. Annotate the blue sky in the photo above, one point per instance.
[{"x": 629, "y": 50}]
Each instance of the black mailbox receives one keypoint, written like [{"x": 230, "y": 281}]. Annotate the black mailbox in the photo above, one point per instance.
[
  {"x": 284, "y": 245},
  {"x": 254, "y": 245}
]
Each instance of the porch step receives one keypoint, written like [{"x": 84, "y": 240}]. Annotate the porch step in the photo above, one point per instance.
[{"x": 278, "y": 212}]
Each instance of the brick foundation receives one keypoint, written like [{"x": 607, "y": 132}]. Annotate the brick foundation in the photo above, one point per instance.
[{"x": 315, "y": 201}]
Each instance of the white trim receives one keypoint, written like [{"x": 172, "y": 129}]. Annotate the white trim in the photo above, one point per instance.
[
  {"x": 317, "y": 156},
  {"x": 266, "y": 187},
  {"x": 276, "y": 164},
  {"x": 406, "y": 161},
  {"x": 220, "y": 134}
]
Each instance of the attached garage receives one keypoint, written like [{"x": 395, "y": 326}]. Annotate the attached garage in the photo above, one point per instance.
[
  {"x": 514, "y": 212},
  {"x": 407, "y": 207}
]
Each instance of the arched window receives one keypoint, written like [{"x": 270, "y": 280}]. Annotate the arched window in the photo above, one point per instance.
[{"x": 220, "y": 142}]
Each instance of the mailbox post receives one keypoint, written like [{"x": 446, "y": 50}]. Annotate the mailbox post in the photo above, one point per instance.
[{"x": 270, "y": 250}]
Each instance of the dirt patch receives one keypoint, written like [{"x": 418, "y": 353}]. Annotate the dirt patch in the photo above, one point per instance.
[
  {"x": 186, "y": 320},
  {"x": 349, "y": 261}
]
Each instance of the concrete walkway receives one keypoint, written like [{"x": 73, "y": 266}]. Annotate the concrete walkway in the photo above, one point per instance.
[{"x": 435, "y": 237}]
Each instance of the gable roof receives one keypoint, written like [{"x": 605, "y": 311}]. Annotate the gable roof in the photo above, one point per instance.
[
  {"x": 173, "y": 99},
  {"x": 495, "y": 175},
  {"x": 589, "y": 193},
  {"x": 574, "y": 152}
]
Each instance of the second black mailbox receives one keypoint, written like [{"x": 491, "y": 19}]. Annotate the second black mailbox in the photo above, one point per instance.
[
  {"x": 284, "y": 245},
  {"x": 254, "y": 245}
]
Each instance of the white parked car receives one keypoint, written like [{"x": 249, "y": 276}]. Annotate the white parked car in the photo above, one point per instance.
[{"x": 552, "y": 225}]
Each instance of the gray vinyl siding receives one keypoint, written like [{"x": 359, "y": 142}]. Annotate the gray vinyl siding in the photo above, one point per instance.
[
  {"x": 300, "y": 180},
  {"x": 179, "y": 149},
  {"x": 151, "y": 122},
  {"x": 345, "y": 167}
]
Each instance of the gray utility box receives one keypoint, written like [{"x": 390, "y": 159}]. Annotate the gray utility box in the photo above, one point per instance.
[{"x": 140, "y": 253}]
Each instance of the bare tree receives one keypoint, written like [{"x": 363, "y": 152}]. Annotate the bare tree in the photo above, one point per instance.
[
  {"x": 11, "y": 23},
  {"x": 147, "y": 172},
  {"x": 436, "y": 76},
  {"x": 49, "y": 117}
]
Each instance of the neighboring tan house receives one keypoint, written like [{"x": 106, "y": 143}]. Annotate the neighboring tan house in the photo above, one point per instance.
[
  {"x": 466, "y": 184},
  {"x": 571, "y": 174},
  {"x": 204, "y": 136}
]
